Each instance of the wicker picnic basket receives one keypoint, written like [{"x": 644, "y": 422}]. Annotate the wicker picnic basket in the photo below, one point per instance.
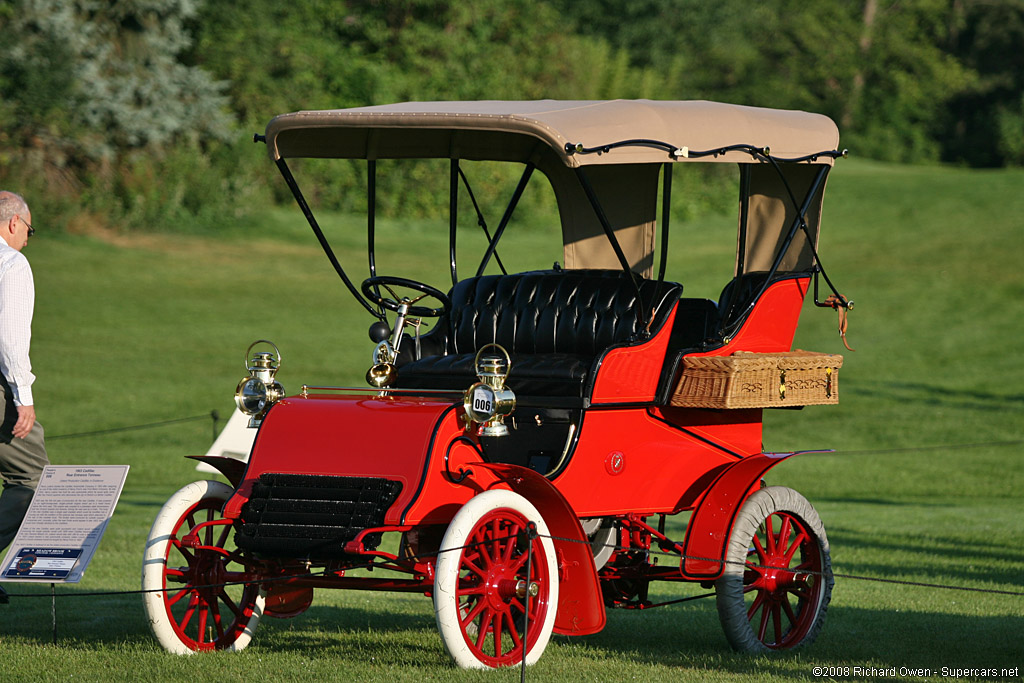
[{"x": 758, "y": 380}]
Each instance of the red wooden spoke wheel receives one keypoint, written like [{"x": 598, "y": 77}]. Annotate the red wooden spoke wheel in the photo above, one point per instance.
[
  {"x": 190, "y": 607},
  {"x": 778, "y": 579},
  {"x": 489, "y": 577}
]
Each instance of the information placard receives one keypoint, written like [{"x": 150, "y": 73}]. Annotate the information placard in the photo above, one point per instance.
[{"x": 64, "y": 524}]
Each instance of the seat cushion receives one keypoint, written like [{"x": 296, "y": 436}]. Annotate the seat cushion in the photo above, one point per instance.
[
  {"x": 550, "y": 374},
  {"x": 575, "y": 311},
  {"x": 554, "y": 325}
]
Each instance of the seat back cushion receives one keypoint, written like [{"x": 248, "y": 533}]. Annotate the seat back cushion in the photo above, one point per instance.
[{"x": 580, "y": 312}]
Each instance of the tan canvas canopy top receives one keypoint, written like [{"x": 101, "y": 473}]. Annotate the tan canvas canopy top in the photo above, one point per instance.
[
  {"x": 604, "y": 160},
  {"x": 485, "y": 130}
]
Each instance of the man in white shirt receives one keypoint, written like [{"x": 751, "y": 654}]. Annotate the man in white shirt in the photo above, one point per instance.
[{"x": 22, "y": 450}]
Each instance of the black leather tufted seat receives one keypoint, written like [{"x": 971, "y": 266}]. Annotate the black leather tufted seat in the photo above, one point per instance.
[{"x": 554, "y": 324}]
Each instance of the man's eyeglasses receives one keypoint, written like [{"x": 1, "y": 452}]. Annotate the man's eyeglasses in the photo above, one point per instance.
[{"x": 31, "y": 230}]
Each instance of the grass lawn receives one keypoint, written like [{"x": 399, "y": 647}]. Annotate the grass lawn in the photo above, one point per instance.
[{"x": 925, "y": 484}]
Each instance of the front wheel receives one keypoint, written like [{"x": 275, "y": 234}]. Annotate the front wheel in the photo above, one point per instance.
[
  {"x": 490, "y": 577},
  {"x": 196, "y": 597},
  {"x": 778, "y": 580}
]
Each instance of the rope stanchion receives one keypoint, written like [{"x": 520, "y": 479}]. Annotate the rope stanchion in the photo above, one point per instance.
[
  {"x": 531, "y": 536},
  {"x": 53, "y": 610}
]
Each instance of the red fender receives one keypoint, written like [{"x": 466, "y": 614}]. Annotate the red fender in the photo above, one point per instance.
[
  {"x": 707, "y": 535},
  {"x": 580, "y": 608}
]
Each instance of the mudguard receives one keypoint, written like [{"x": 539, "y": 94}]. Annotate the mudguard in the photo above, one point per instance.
[
  {"x": 233, "y": 469},
  {"x": 580, "y": 608},
  {"x": 707, "y": 535}
]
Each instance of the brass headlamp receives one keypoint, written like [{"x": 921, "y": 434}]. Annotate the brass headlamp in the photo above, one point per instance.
[
  {"x": 259, "y": 390},
  {"x": 489, "y": 401},
  {"x": 382, "y": 373}
]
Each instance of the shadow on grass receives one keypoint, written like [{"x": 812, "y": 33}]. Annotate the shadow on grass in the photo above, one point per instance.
[
  {"x": 947, "y": 561},
  {"x": 685, "y": 636},
  {"x": 136, "y": 502},
  {"x": 92, "y": 621},
  {"x": 888, "y": 502},
  {"x": 937, "y": 395},
  {"x": 98, "y": 621},
  {"x": 692, "y": 638}
]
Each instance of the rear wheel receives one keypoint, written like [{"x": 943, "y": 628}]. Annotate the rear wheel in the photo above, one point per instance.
[
  {"x": 778, "y": 580},
  {"x": 197, "y": 601},
  {"x": 490, "y": 575}
]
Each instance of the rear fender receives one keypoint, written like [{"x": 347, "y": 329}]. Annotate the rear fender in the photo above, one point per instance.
[
  {"x": 580, "y": 608},
  {"x": 707, "y": 535}
]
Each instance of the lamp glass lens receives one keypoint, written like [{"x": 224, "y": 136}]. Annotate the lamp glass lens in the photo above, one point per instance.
[{"x": 252, "y": 396}]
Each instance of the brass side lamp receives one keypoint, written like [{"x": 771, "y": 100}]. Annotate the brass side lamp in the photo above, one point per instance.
[
  {"x": 259, "y": 390},
  {"x": 489, "y": 401}
]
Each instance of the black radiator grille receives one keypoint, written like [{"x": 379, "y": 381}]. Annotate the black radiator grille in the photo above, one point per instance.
[{"x": 305, "y": 515}]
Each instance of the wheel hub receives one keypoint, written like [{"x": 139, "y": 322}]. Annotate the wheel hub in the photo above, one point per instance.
[
  {"x": 206, "y": 571},
  {"x": 503, "y": 586},
  {"x": 776, "y": 580},
  {"x": 517, "y": 588}
]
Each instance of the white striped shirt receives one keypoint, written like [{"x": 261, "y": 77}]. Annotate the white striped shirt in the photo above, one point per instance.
[{"x": 17, "y": 299}]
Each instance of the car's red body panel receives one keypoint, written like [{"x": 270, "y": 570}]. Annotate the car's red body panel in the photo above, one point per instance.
[{"x": 630, "y": 457}]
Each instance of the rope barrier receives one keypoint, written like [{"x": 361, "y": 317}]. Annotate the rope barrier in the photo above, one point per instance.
[
  {"x": 929, "y": 585},
  {"x": 531, "y": 533},
  {"x": 378, "y": 565},
  {"x": 934, "y": 447},
  {"x": 799, "y": 571},
  {"x": 213, "y": 414},
  {"x": 369, "y": 565}
]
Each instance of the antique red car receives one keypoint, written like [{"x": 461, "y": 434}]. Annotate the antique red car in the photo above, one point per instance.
[{"x": 517, "y": 462}]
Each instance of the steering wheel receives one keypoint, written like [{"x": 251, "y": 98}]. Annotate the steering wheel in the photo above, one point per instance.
[{"x": 371, "y": 283}]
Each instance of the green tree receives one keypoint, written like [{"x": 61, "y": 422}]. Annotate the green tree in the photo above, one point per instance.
[
  {"x": 906, "y": 80},
  {"x": 320, "y": 54},
  {"x": 878, "y": 67},
  {"x": 985, "y": 124},
  {"x": 96, "y": 97},
  {"x": 140, "y": 112}
]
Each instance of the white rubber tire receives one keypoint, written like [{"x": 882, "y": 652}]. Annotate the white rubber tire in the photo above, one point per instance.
[
  {"x": 168, "y": 527},
  {"x": 815, "y": 588},
  {"x": 448, "y": 570}
]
